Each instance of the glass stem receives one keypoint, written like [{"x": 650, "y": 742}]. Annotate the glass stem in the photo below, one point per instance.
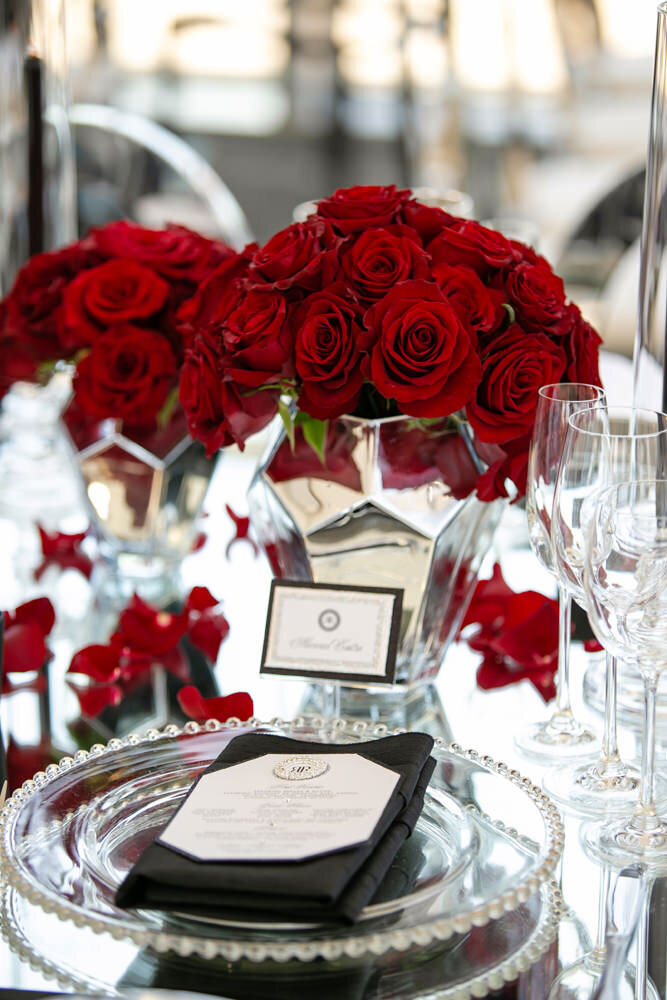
[
  {"x": 563, "y": 706},
  {"x": 641, "y": 962},
  {"x": 644, "y": 817},
  {"x": 609, "y": 752}
]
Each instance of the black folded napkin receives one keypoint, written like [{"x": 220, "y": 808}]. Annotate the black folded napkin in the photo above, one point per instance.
[{"x": 332, "y": 886}]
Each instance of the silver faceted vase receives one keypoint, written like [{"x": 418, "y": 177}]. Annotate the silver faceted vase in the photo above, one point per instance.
[{"x": 391, "y": 504}]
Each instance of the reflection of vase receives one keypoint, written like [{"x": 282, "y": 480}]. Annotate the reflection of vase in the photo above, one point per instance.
[
  {"x": 390, "y": 506},
  {"x": 145, "y": 490}
]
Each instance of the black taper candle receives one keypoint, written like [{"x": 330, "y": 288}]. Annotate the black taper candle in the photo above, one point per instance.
[{"x": 34, "y": 71}]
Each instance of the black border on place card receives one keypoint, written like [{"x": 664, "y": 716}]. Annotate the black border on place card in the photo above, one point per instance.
[{"x": 331, "y": 675}]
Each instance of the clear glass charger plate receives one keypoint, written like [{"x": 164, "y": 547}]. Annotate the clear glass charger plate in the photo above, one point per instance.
[
  {"x": 466, "y": 965},
  {"x": 486, "y": 842}
]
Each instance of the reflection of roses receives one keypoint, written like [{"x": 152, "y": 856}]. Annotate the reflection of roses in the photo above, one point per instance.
[
  {"x": 329, "y": 355},
  {"x": 411, "y": 456},
  {"x": 354, "y": 209},
  {"x": 126, "y": 375},
  {"x": 301, "y": 462},
  {"x": 119, "y": 291},
  {"x": 423, "y": 357},
  {"x": 514, "y": 368}
]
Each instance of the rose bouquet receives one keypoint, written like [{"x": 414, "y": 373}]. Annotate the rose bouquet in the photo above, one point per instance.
[
  {"x": 378, "y": 305},
  {"x": 107, "y": 303}
]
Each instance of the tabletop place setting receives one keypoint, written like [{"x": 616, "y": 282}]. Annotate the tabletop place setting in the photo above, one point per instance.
[{"x": 333, "y": 567}]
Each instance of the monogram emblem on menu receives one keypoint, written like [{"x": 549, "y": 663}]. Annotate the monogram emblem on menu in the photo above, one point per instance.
[{"x": 300, "y": 767}]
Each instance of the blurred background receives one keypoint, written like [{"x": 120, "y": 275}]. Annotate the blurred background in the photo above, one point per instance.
[{"x": 536, "y": 109}]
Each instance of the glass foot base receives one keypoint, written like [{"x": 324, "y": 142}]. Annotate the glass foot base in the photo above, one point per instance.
[
  {"x": 594, "y": 789},
  {"x": 559, "y": 738},
  {"x": 619, "y": 843}
]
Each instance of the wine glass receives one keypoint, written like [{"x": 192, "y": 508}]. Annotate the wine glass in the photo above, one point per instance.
[
  {"x": 604, "y": 445},
  {"x": 625, "y": 583},
  {"x": 562, "y": 735},
  {"x": 618, "y": 912}
]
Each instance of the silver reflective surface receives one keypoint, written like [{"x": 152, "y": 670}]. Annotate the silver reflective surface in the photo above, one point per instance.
[{"x": 390, "y": 506}]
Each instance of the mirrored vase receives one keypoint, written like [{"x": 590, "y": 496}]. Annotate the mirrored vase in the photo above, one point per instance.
[
  {"x": 390, "y": 504},
  {"x": 145, "y": 489}
]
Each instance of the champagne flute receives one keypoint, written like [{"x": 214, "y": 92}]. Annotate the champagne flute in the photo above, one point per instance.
[
  {"x": 603, "y": 446},
  {"x": 562, "y": 735},
  {"x": 625, "y": 582}
]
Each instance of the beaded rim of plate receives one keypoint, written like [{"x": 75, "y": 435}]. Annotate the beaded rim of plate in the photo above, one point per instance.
[
  {"x": 492, "y": 978},
  {"x": 354, "y": 946}
]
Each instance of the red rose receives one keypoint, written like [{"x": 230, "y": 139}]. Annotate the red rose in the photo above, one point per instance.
[
  {"x": 512, "y": 372},
  {"x": 119, "y": 291},
  {"x": 200, "y": 392},
  {"x": 581, "y": 349},
  {"x": 126, "y": 375},
  {"x": 257, "y": 339},
  {"x": 329, "y": 350},
  {"x": 17, "y": 363},
  {"x": 175, "y": 252},
  {"x": 537, "y": 296},
  {"x": 468, "y": 244},
  {"x": 423, "y": 357},
  {"x": 301, "y": 255},
  {"x": 379, "y": 258},
  {"x": 216, "y": 297},
  {"x": 509, "y": 462},
  {"x": 353, "y": 209},
  {"x": 32, "y": 308},
  {"x": 427, "y": 220},
  {"x": 246, "y": 413},
  {"x": 479, "y": 308}
]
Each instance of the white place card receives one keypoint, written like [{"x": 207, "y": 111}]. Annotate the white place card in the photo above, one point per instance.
[
  {"x": 344, "y": 633},
  {"x": 281, "y": 807}
]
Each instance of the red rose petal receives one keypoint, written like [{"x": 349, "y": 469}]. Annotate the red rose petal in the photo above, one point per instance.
[
  {"x": 39, "y": 611},
  {"x": 101, "y": 663},
  {"x": 238, "y": 705},
  {"x": 24, "y": 648}
]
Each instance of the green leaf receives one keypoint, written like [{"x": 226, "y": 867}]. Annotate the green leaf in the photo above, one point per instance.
[
  {"x": 285, "y": 412},
  {"x": 167, "y": 409},
  {"x": 510, "y": 311},
  {"x": 314, "y": 432}
]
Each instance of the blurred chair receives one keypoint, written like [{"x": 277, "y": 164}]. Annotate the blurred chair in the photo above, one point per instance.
[
  {"x": 601, "y": 259},
  {"x": 129, "y": 166}
]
